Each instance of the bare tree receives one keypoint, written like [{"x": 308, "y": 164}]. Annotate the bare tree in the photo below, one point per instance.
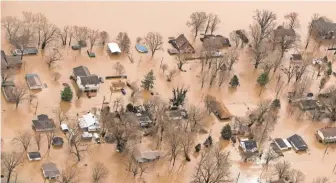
[
  {"x": 233, "y": 57},
  {"x": 293, "y": 20},
  {"x": 80, "y": 34},
  {"x": 119, "y": 68},
  {"x": 135, "y": 96},
  {"x": 9, "y": 162},
  {"x": 214, "y": 23},
  {"x": 235, "y": 39},
  {"x": 11, "y": 25},
  {"x": 330, "y": 103},
  {"x": 208, "y": 22},
  {"x": 77, "y": 146},
  {"x": 266, "y": 21},
  {"x": 38, "y": 139},
  {"x": 93, "y": 36},
  {"x": 171, "y": 74},
  {"x": 69, "y": 175},
  {"x": 289, "y": 72},
  {"x": 282, "y": 169},
  {"x": 258, "y": 49},
  {"x": 103, "y": 37},
  {"x": 124, "y": 42},
  {"x": 23, "y": 38},
  {"x": 19, "y": 95},
  {"x": 197, "y": 22},
  {"x": 52, "y": 57},
  {"x": 222, "y": 75},
  {"x": 285, "y": 43},
  {"x": 187, "y": 142},
  {"x": 301, "y": 70},
  {"x": 60, "y": 115},
  {"x": 270, "y": 156},
  {"x": 50, "y": 135},
  {"x": 164, "y": 67},
  {"x": 216, "y": 65},
  {"x": 296, "y": 176},
  {"x": 31, "y": 97},
  {"x": 99, "y": 172},
  {"x": 203, "y": 78},
  {"x": 181, "y": 60},
  {"x": 23, "y": 139},
  {"x": 118, "y": 103},
  {"x": 49, "y": 33},
  {"x": 174, "y": 143},
  {"x": 64, "y": 34},
  {"x": 57, "y": 76},
  {"x": 154, "y": 41},
  {"x": 321, "y": 180},
  {"x": 214, "y": 167},
  {"x": 310, "y": 28}
]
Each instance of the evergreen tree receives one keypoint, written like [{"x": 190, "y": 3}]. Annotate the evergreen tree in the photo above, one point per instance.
[
  {"x": 234, "y": 81},
  {"x": 148, "y": 82},
  {"x": 263, "y": 79},
  {"x": 67, "y": 94},
  {"x": 226, "y": 132}
]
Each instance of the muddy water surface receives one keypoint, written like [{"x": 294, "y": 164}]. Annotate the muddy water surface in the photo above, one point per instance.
[{"x": 168, "y": 18}]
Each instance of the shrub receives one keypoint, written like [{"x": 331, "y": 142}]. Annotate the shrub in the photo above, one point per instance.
[
  {"x": 67, "y": 94},
  {"x": 226, "y": 132}
]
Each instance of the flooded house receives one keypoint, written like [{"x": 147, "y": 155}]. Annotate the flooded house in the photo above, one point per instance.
[
  {"x": 297, "y": 143},
  {"x": 215, "y": 41},
  {"x": 85, "y": 80},
  {"x": 43, "y": 123},
  {"x": 10, "y": 61},
  {"x": 180, "y": 45},
  {"x": 34, "y": 156},
  {"x": 296, "y": 59},
  {"x": 323, "y": 29},
  {"x": 309, "y": 104},
  {"x": 326, "y": 135},
  {"x": 34, "y": 82},
  {"x": 142, "y": 156},
  {"x": 50, "y": 171},
  {"x": 8, "y": 90},
  {"x": 281, "y": 32},
  {"x": 219, "y": 109},
  {"x": 141, "y": 116},
  {"x": 283, "y": 144},
  {"x": 118, "y": 86},
  {"x": 89, "y": 122},
  {"x": 248, "y": 145}
]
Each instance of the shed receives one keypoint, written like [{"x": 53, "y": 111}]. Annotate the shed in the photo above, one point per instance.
[
  {"x": 34, "y": 82},
  {"x": 50, "y": 171},
  {"x": 34, "y": 156},
  {"x": 296, "y": 59},
  {"x": 298, "y": 143},
  {"x": 114, "y": 47},
  {"x": 145, "y": 156},
  {"x": 43, "y": 123},
  {"x": 326, "y": 135},
  {"x": 176, "y": 114},
  {"x": 248, "y": 145},
  {"x": 283, "y": 144},
  {"x": 220, "y": 110},
  {"x": 117, "y": 86},
  {"x": 57, "y": 142},
  {"x": 8, "y": 92},
  {"x": 215, "y": 41},
  {"x": 26, "y": 51},
  {"x": 309, "y": 104}
]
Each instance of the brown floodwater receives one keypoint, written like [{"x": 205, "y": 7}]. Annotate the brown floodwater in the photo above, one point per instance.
[{"x": 169, "y": 19}]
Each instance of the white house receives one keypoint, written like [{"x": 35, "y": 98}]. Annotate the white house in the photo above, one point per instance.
[
  {"x": 85, "y": 80},
  {"x": 326, "y": 135},
  {"x": 89, "y": 122}
]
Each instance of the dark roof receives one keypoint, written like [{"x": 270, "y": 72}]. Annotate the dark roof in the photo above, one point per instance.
[
  {"x": 182, "y": 44},
  {"x": 3, "y": 59},
  {"x": 14, "y": 60},
  {"x": 250, "y": 144},
  {"x": 220, "y": 110},
  {"x": 90, "y": 80},
  {"x": 308, "y": 104},
  {"x": 33, "y": 80},
  {"x": 43, "y": 123},
  {"x": 280, "y": 142},
  {"x": 175, "y": 113},
  {"x": 280, "y": 32},
  {"x": 50, "y": 170},
  {"x": 298, "y": 142},
  {"x": 296, "y": 57},
  {"x": 217, "y": 41},
  {"x": 57, "y": 141},
  {"x": 328, "y": 132},
  {"x": 81, "y": 71},
  {"x": 31, "y": 50},
  {"x": 8, "y": 93},
  {"x": 321, "y": 22},
  {"x": 278, "y": 181},
  {"x": 34, "y": 155}
]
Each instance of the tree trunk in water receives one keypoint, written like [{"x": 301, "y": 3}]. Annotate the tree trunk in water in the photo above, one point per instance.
[
  {"x": 16, "y": 104},
  {"x": 187, "y": 157},
  {"x": 153, "y": 53},
  {"x": 9, "y": 176},
  {"x": 307, "y": 42},
  {"x": 70, "y": 40},
  {"x": 78, "y": 157},
  {"x": 196, "y": 32},
  {"x": 256, "y": 65},
  {"x": 21, "y": 54},
  {"x": 44, "y": 44}
]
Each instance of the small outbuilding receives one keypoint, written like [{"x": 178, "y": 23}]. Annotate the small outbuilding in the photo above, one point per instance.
[
  {"x": 114, "y": 48},
  {"x": 297, "y": 143},
  {"x": 283, "y": 144},
  {"x": 43, "y": 123},
  {"x": 145, "y": 156},
  {"x": 57, "y": 142},
  {"x": 34, "y": 82},
  {"x": 34, "y": 156},
  {"x": 9, "y": 93},
  {"x": 50, "y": 171},
  {"x": 296, "y": 59},
  {"x": 26, "y": 51},
  {"x": 248, "y": 145},
  {"x": 309, "y": 104},
  {"x": 176, "y": 114}
]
